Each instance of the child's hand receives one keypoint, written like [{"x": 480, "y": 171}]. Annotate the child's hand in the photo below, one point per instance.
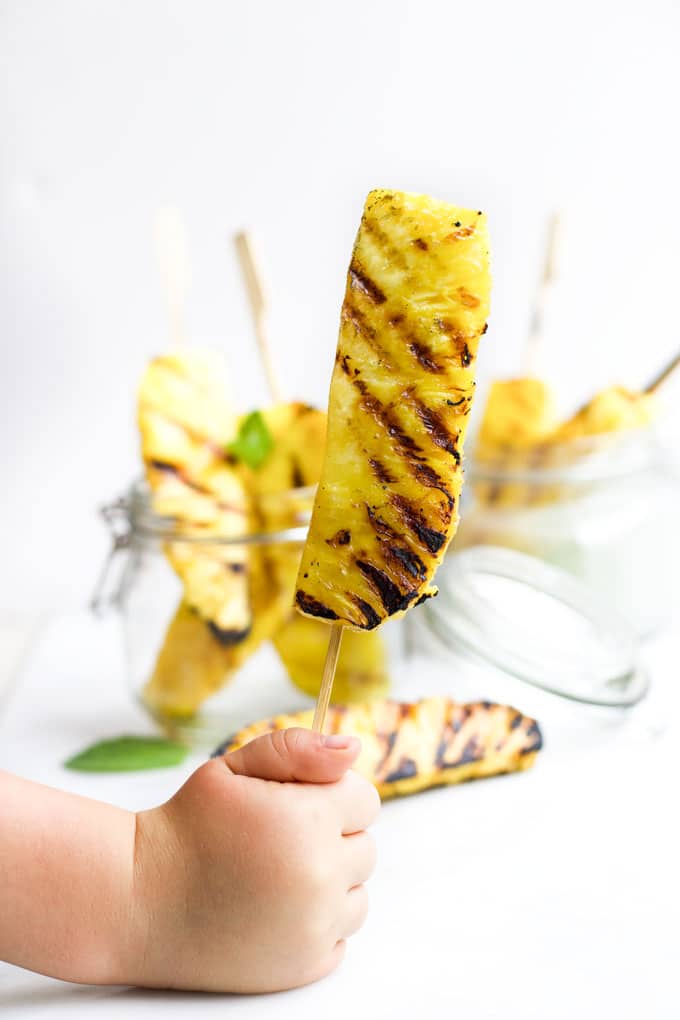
[{"x": 251, "y": 877}]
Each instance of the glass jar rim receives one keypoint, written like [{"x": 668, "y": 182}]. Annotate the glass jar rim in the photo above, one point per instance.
[
  {"x": 136, "y": 510},
  {"x": 483, "y": 609}
]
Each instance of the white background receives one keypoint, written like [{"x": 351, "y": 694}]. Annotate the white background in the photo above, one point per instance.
[{"x": 280, "y": 116}]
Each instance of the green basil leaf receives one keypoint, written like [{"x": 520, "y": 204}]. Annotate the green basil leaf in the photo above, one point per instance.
[
  {"x": 253, "y": 442},
  {"x": 128, "y": 754}
]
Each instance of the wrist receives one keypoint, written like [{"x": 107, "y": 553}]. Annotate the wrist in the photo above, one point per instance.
[{"x": 144, "y": 942}]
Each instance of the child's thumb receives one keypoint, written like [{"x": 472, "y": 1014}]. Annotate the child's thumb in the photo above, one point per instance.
[{"x": 295, "y": 755}]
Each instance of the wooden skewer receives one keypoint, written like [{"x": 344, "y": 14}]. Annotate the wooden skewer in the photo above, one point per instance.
[
  {"x": 328, "y": 674},
  {"x": 535, "y": 337},
  {"x": 663, "y": 375},
  {"x": 173, "y": 261},
  {"x": 258, "y": 308}
]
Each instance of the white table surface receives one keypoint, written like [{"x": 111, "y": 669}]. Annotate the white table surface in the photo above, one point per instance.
[{"x": 547, "y": 895}]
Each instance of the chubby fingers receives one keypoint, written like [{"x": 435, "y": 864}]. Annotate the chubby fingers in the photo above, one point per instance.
[
  {"x": 359, "y": 855},
  {"x": 356, "y": 802},
  {"x": 295, "y": 755},
  {"x": 354, "y": 911}
]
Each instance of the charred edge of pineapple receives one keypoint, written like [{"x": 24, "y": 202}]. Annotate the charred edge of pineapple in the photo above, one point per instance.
[{"x": 228, "y": 638}]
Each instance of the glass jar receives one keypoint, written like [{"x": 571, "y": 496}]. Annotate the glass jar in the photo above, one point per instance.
[
  {"x": 198, "y": 682},
  {"x": 465, "y": 644},
  {"x": 603, "y": 508}
]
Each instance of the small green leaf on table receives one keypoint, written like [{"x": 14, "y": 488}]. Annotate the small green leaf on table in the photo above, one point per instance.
[{"x": 128, "y": 754}]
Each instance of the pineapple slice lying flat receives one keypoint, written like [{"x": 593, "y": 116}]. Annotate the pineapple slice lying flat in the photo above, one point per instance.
[
  {"x": 416, "y": 303},
  {"x": 408, "y": 747},
  {"x": 185, "y": 425}
]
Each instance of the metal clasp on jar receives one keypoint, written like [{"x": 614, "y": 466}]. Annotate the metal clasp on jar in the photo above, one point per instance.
[{"x": 108, "y": 589}]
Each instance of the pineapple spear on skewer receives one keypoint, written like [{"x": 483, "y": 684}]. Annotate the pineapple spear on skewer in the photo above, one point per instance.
[{"x": 415, "y": 306}]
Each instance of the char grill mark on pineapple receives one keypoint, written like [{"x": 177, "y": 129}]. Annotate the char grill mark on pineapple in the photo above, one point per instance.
[
  {"x": 406, "y": 769},
  {"x": 360, "y": 281},
  {"x": 414, "y": 521},
  {"x": 297, "y": 474},
  {"x": 381, "y": 472},
  {"x": 351, "y": 313},
  {"x": 384, "y": 243},
  {"x": 428, "y": 477},
  {"x": 424, "y": 356},
  {"x": 227, "y": 637},
  {"x": 371, "y": 618},
  {"x": 183, "y": 476},
  {"x": 393, "y": 599},
  {"x": 314, "y": 607},
  {"x": 437, "y": 429},
  {"x": 393, "y": 549},
  {"x": 384, "y": 417},
  {"x": 342, "y": 537}
]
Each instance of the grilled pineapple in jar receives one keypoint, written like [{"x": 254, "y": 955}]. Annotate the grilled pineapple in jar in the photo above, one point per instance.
[
  {"x": 612, "y": 410},
  {"x": 191, "y": 665},
  {"x": 280, "y": 502},
  {"x": 520, "y": 415},
  {"x": 361, "y": 672},
  {"x": 195, "y": 660},
  {"x": 415, "y": 306},
  {"x": 407, "y": 747},
  {"x": 186, "y": 425}
]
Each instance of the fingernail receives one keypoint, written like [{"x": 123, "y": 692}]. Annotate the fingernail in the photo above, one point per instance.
[{"x": 338, "y": 741}]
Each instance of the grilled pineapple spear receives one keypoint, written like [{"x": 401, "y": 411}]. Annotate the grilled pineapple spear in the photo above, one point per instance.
[
  {"x": 409, "y": 747},
  {"x": 415, "y": 306},
  {"x": 185, "y": 425}
]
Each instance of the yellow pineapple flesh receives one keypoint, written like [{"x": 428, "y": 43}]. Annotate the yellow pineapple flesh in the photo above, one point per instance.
[
  {"x": 615, "y": 409},
  {"x": 361, "y": 671},
  {"x": 191, "y": 665},
  {"x": 520, "y": 414},
  {"x": 185, "y": 424},
  {"x": 415, "y": 306},
  {"x": 280, "y": 503}
]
